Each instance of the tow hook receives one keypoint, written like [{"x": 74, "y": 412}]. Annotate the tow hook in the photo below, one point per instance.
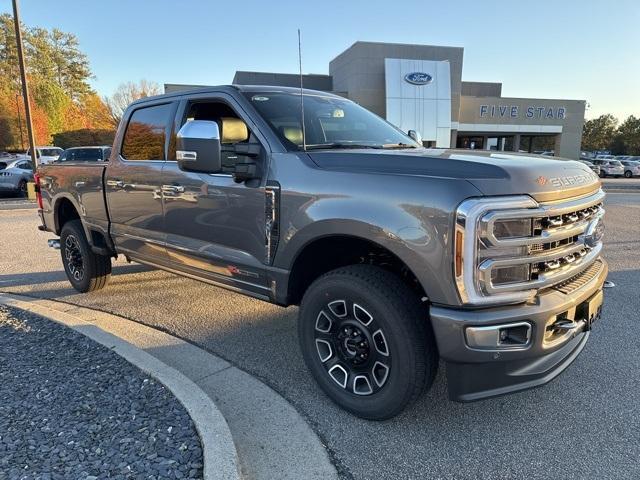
[{"x": 54, "y": 243}]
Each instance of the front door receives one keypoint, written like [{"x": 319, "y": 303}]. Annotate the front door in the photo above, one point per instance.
[
  {"x": 133, "y": 184},
  {"x": 216, "y": 227}
]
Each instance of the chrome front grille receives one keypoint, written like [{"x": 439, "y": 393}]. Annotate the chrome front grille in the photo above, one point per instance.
[
  {"x": 580, "y": 280},
  {"x": 558, "y": 248}
]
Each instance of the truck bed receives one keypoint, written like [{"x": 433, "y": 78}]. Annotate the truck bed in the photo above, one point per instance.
[{"x": 80, "y": 183}]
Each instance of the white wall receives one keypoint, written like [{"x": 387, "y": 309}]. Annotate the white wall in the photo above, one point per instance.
[{"x": 425, "y": 108}]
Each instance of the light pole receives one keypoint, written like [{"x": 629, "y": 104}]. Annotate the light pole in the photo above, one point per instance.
[
  {"x": 19, "y": 119},
  {"x": 25, "y": 87}
]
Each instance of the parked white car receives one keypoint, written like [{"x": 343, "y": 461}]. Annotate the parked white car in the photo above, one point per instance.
[
  {"x": 46, "y": 154},
  {"x": 631, "y": 168},
  {"x": 609, "y": 167}
]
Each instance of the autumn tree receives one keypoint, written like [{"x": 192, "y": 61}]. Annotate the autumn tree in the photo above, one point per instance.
[
  {"x": 58, "y": 73},
  {"x": 127, "y": 93}
]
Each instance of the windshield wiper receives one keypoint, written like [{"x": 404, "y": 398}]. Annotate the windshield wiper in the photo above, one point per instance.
[
  {"x": 336, "y": 145},
  {"x": 398, "y": 145}
]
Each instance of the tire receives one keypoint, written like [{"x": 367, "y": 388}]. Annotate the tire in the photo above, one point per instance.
[
  {"x": 22, "y": 188},
  {"x": 602, "y": 174},
  {"x": 365, "y": 310},
  {"x": 628, "y": 174},
  {"x": 86, "y": 270}
]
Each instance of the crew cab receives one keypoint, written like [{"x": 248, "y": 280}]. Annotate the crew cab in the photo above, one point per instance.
[{"x": 397, "y": 255}]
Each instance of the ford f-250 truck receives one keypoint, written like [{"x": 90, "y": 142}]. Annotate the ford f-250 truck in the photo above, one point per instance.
[{"x": 397, "y": 255}]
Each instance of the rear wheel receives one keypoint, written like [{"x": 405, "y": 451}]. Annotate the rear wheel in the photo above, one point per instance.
[
  {"x": 365, "y": 338},
  {"x": 86, "y": 270},
  {"x": 628, "y": 174},
  {"x": 22, "y": 188},
  {"x": 602, "y": 174}
]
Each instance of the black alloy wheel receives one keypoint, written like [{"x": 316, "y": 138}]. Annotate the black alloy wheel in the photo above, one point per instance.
[{"x": 366, "y": 339}]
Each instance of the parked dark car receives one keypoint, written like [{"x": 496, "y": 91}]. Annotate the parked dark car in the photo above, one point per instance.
[
  {"x": 397, "y": 255},
  {"x": 86, "y": 154}
]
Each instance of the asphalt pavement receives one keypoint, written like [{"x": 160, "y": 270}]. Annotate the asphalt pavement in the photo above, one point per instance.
[{"x": 585, "y": 424}]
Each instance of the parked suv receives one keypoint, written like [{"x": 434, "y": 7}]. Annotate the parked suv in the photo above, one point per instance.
[
  {"x": 397, "y": 255},
  {"x": 609, "y": 168},
  {"x": 45, "y": 154},
  {"x": 631, "y": 168}
]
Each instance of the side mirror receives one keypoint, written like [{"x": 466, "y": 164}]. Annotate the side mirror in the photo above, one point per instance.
[
  {"x": 415, "y": 135},
  {"x": 198, "y": 147}
]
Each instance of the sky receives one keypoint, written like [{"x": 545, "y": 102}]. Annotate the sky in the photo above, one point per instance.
[{"x": 568, "y": 49}]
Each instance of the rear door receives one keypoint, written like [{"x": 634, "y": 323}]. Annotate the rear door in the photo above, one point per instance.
[
  {"x": 215, "y": 226},
  {"x": 133, "y": 180}
]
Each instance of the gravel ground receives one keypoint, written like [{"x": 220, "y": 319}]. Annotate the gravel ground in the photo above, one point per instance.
[
  {"x": 583, "y": 425},
  {"x": 73, "y": 409}
]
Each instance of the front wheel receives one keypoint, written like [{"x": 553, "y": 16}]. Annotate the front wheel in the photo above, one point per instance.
[
  {"x": 602, "y": 174},
  {"x": 628, "y": 174},
  {"x": 86, "y": 270},
  {"x": 365, "y": 338}
]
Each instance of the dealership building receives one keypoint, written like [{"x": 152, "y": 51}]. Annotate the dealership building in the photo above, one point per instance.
[{"x": 420, "y": 87}]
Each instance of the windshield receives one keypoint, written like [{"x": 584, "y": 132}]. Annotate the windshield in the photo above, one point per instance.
[
  {"x": 50, "y": 152},
  {"x": 329, "y": 122},
  {"x": 615, "y": 163}
]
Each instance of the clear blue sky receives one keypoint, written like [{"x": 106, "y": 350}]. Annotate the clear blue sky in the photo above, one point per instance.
[{"x": 574, "y": 49}]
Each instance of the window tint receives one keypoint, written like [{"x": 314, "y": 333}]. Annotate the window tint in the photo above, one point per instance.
[
  {"x": 87, "y": 155},
  {"x": 145, "y": 135}
]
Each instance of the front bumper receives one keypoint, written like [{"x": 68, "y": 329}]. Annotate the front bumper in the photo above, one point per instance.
[{"x": 474, "y": 374}]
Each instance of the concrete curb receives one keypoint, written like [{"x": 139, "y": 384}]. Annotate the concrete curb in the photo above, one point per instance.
[{"x": 219, "y": 453}]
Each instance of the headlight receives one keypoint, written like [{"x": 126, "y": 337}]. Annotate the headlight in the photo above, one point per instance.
[{"x": 476, "y": 245}]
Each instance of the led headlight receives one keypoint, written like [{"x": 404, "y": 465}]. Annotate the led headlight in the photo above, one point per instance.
[{"x": 480, "y": 226}]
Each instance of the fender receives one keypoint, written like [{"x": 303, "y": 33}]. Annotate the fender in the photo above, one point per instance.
[{"x": 407, "y": 233}]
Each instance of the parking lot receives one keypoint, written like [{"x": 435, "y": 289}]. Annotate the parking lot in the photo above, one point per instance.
[{"x": 585, "y": 424}]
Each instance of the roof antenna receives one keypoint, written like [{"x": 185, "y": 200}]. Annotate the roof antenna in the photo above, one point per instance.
[{"x": 304, "y": 132}]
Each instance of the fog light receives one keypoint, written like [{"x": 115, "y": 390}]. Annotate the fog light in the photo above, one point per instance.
[{"x": 509, "y": 336}]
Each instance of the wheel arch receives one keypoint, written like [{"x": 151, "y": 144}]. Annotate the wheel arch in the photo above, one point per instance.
[{"x": 312, "y": 260}]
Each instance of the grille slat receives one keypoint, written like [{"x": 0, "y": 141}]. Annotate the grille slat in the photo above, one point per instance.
[{"x": 581, "y": 279}]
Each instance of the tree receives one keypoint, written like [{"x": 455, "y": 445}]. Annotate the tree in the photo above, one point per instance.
[
  {"x": 628, "y": 135},
  {"x": 598, "y": 133},
  {"x": 127, "y": 93},
  {"x": 59, "y": 74}
]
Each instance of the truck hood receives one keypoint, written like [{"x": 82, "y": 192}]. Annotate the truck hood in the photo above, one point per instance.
[{"x": 493, "y": 173}]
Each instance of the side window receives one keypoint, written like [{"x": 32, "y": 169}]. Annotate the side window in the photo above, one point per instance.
[
  {"x": 145, "y": 135},
  {"x": 233, "y": 129}
]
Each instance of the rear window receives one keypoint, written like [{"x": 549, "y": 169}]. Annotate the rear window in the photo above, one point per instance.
[{"x": 145, "y": 135}]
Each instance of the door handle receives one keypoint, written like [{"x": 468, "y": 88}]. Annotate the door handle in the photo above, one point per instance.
[
  {"x": 115, "y": 183},
  {"x": 172, "y": 189}
]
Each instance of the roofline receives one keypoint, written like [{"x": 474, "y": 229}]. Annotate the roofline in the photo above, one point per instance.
[
  {"x": 364, "y": 42},
  {"x": 283, "y": 73},
  {"x": 227, "y": 88}
]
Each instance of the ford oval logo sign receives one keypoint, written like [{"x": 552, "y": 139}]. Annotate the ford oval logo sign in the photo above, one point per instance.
[{"x": 418, "y": 78}]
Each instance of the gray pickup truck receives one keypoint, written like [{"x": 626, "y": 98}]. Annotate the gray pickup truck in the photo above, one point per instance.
[{"x": 397, "y": 255}]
